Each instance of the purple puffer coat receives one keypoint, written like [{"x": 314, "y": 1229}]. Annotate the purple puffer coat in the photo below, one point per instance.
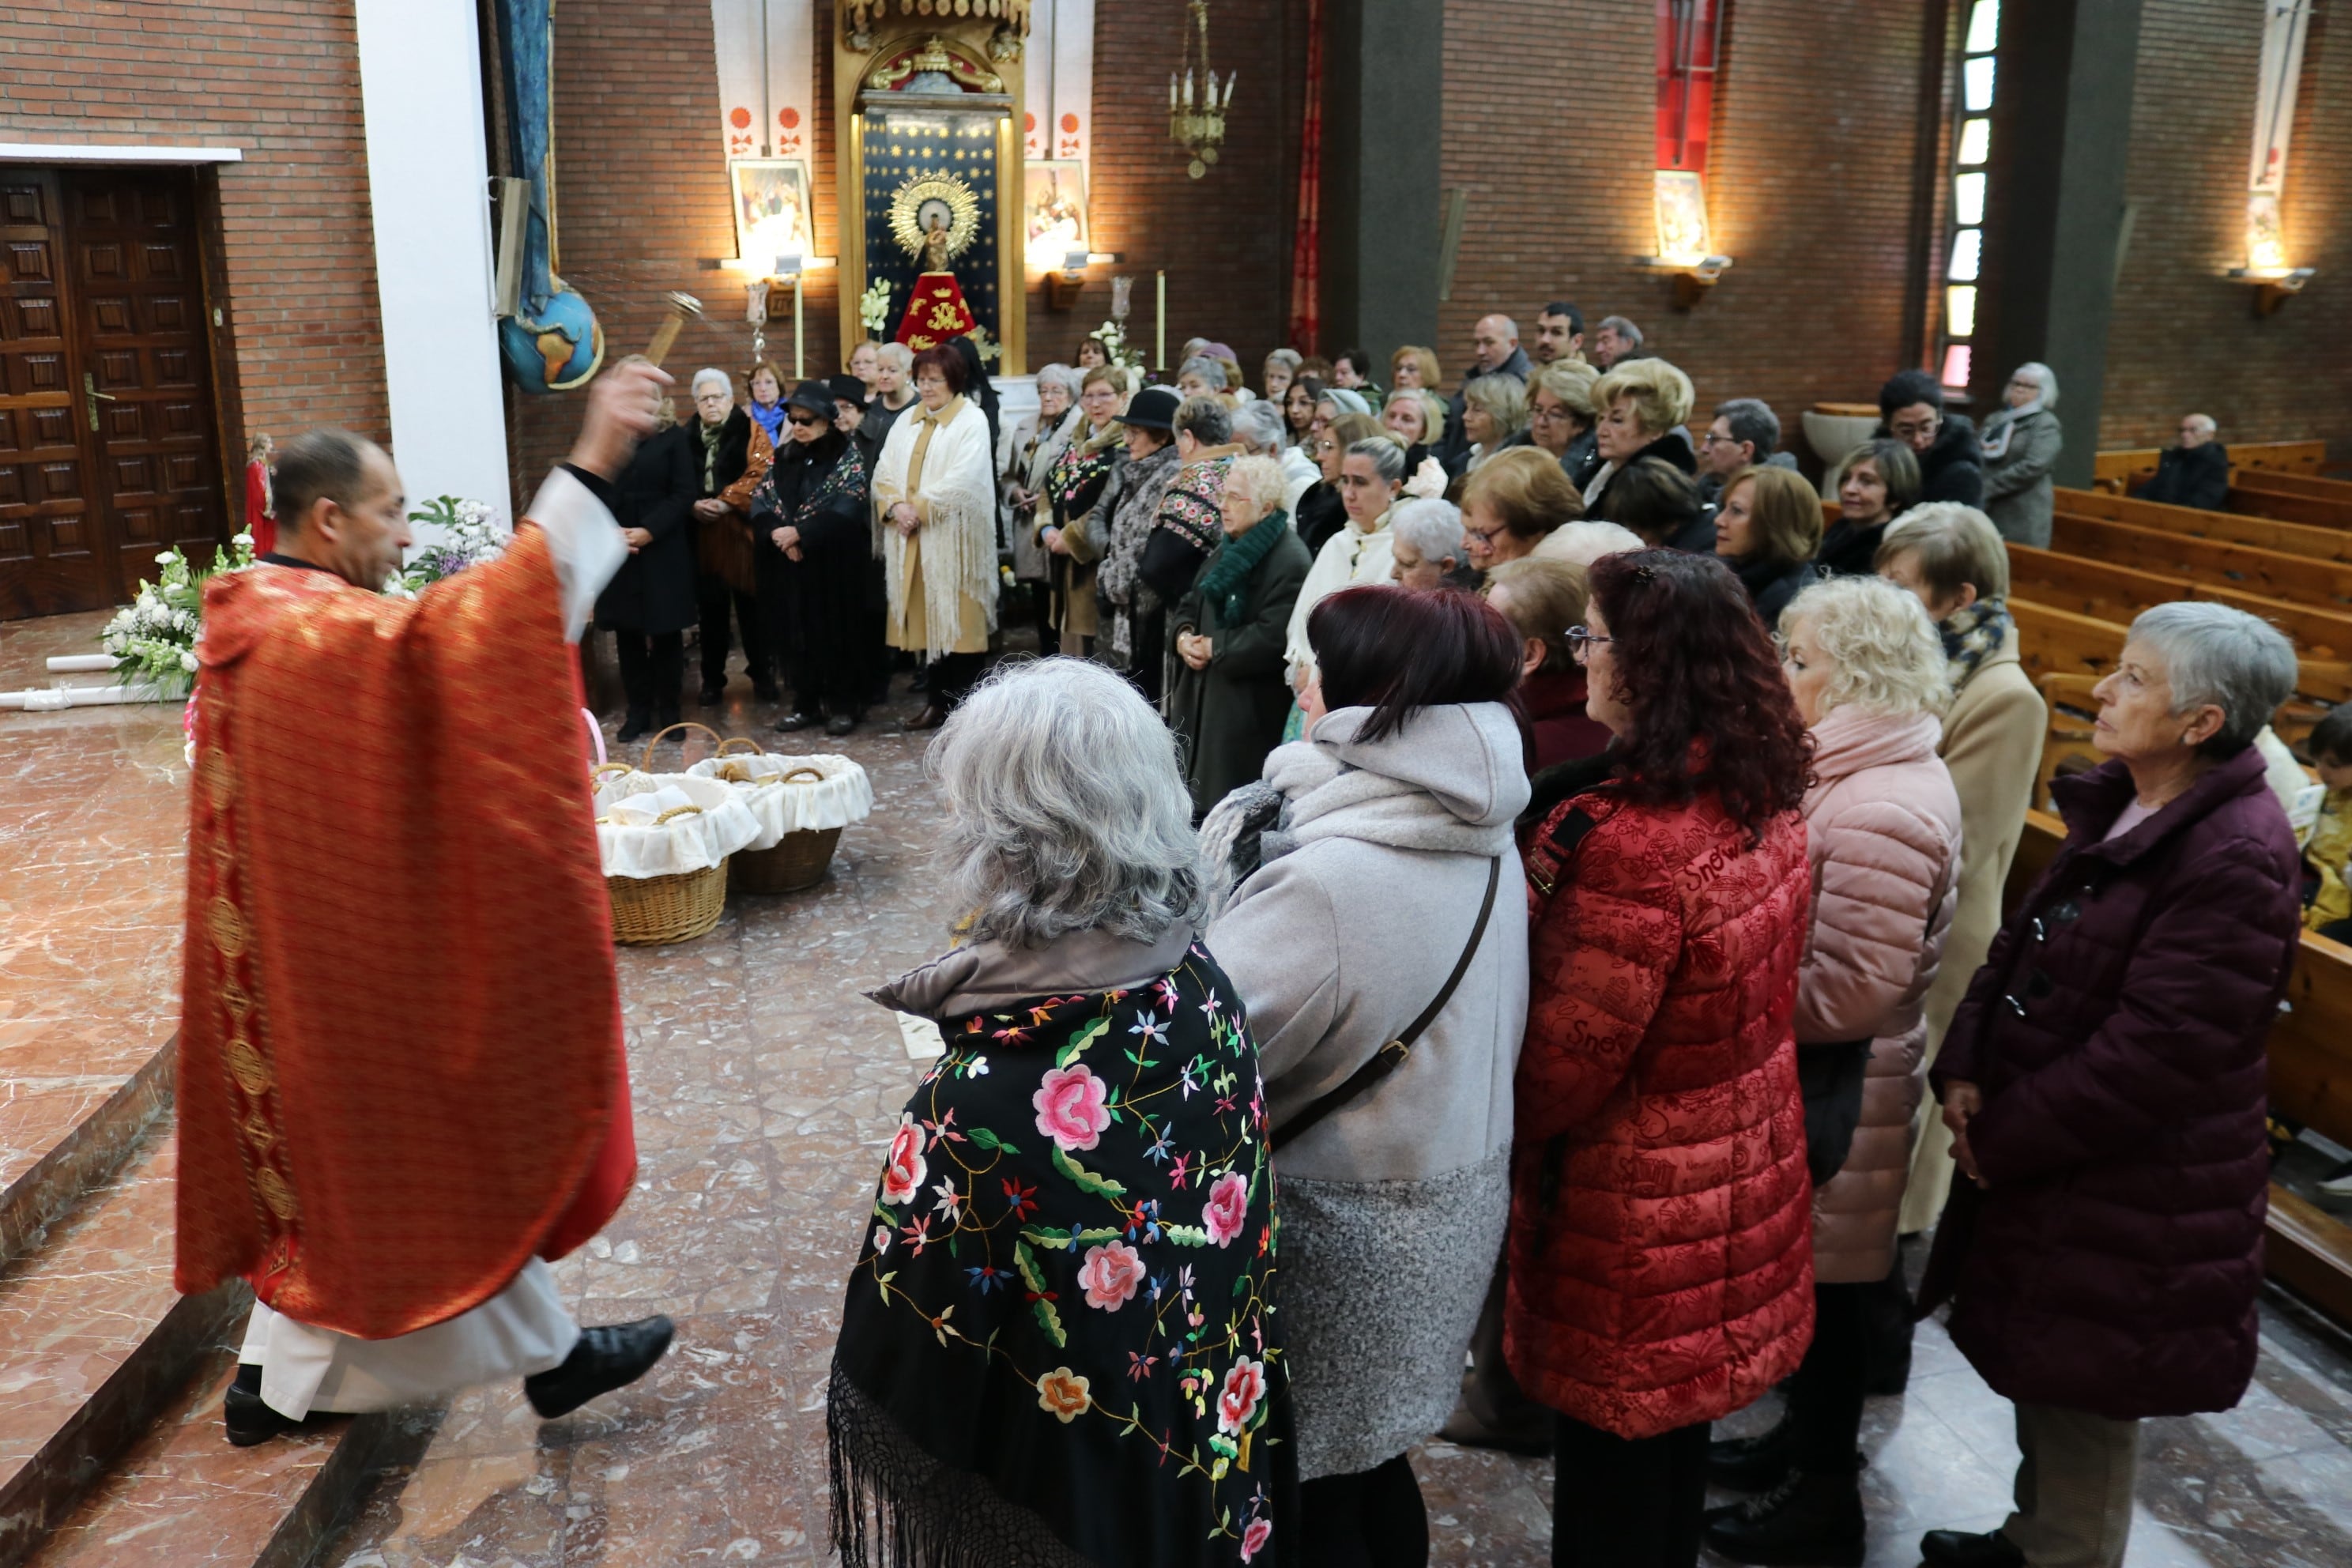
[{"x": 2111, "y": 1261}]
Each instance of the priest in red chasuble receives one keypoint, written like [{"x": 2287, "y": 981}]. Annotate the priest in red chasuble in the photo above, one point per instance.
[{"x": 402, "y": 1087}]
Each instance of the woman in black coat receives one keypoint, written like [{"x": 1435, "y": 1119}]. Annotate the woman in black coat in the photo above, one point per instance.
[
  {"x": 651, "y": 600},
  {"x": 1766, "y": 531},
  {"x": 812, "y": 544}
]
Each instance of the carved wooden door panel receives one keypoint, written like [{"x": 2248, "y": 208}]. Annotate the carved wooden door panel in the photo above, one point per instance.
[
  {"x": 146, "y": 380},
  {"x": 51, "y": 560}
]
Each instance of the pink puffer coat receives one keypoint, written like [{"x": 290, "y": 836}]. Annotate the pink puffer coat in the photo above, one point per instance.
[{"x": 1883, "y": 831}]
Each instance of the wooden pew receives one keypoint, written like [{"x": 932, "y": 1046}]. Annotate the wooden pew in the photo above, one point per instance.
[
  {"x": 2261, "y": 533},
  {"x": 2114, "y": 593},
  {"x": 2297, "y": 579},
  {"x": 2287, "y": 484},
  {"x": 2307, "y": 1249},
  {"x": 2117, "y": 471},
  {"x": 2254, "y": 494},
  {"x": 2054, "y": 640}
]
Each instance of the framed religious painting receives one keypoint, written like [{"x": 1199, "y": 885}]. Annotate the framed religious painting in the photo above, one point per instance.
[
  {"x": 1053, "y": 210},
  {"x": 772, "y": 208}
]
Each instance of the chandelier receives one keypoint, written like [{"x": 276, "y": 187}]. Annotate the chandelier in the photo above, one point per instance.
[{"x": 1196, "y": 119}]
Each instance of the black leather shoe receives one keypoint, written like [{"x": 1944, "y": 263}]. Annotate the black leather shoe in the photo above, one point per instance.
[
  {"x": 840, "y": 724},
  {"x": 1753, "y": 1464},
  {"x": 801, "y": 721},
  {"x": 1806, "y": 1519},
  {"x": 606, "y": 1359},
  {"x": 1960, "y": 1548},
  {"x": 932, "y": 716},
  {"x": 636, "y": 726},
  {"x": 248, "y": 1420}
]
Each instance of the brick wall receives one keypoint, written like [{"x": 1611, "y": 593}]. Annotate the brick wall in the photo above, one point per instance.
[
  {"x": 296, "y": 280},
  {"x": 1550, "y": 124},
  {"x": 2184, "y": 339}
]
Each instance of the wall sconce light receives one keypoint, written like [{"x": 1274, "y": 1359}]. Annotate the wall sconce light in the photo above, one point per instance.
[
  {"x": 1063, "y": 283},
  {"x": 759, "y": 288},
  {"x": 1693, "y": 276},
  {"x": 2272, "y": 285}
]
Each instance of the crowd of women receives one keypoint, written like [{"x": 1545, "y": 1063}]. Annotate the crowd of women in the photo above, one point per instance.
[{"x": 1467, "y": 897}]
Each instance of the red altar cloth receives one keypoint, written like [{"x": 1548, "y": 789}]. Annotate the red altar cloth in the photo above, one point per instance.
[
  {"x": 936, "y": 312},
  {"x": 401, "y": 1066}
]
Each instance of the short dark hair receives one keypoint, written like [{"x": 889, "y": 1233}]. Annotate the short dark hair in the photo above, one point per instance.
[
  {"x": 1356, "y": 357},
  {"x": 1698, "y": 675},
  {"x": 329, "y": 463},
  {"x": 1654, "y": 498},
  {"x": 1905, "y": 387},
  {"x": 2331, "y": 738},
  {"x": 1562, "y": 308},
  {"x": 1752, "y": 419},
  {"x": 943, "y": 358},
  {"x": 1398, "y": 651},
  {"x": 1210, "y": 422}
]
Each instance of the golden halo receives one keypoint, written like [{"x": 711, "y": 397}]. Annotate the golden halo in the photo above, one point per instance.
[{"x": 921, "y": 191}]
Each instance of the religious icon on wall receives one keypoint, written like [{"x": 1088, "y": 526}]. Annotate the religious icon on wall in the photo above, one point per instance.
[
  {"x": 1681, "y": 197},
  {"x": 1054, "y": 210},
  {"x": 772, "y": 208}
]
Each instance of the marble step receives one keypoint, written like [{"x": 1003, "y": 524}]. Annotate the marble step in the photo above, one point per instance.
[
  {"x": 181, "y": 1497},
  {"x": 94, "y": 1341},
  {"x": 65, "y": 1129}
]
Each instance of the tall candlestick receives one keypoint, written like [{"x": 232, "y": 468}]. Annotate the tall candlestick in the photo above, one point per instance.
[
  {"x": 1160, "y": 355},
  {"x": 1171, "y": 92},
  {"x": 798, "y": 373}
]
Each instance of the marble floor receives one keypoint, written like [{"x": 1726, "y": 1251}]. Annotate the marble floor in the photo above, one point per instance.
[{"x": 765, "y": 1088}]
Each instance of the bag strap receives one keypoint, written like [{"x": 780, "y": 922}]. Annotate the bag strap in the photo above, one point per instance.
[{"x": 1390, "y": 1056}]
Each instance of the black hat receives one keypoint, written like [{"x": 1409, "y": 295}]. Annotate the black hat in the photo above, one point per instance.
[
  {"x": 813, "y": 397},
  {"x": 847, "y": 389},
  {"x": 1153, "y": 408}
]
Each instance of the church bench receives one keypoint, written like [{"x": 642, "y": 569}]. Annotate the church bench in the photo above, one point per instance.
[
  {"x": 2307, "y": 1249},
  {"x": 2315, "y": 486},
  {"x": 2118, "y": 593},
  {"x": 2117, "y": 470},
  {"x": 2054, "y": 638},
  {"x": 2264, "y": 495},
  {"x": 2297, "y": 579},
  {"x": 2261, "y": 533}
]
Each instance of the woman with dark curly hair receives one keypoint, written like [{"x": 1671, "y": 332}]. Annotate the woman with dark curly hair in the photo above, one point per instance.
[{"x": 1659, "y": 1270}]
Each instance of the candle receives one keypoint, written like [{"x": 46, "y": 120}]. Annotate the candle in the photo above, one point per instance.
[
  {"x": 1188, "y": 88},
  {"x": 1171, "y": 92},
  {"x": 1231, "y": 78},
  {"x": 1159, "y": 358}
]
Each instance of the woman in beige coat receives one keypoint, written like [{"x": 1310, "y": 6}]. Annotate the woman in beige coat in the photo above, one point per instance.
[
  {"x": 1883, "y": 835},
  {"x": 1951, "y": 557}
]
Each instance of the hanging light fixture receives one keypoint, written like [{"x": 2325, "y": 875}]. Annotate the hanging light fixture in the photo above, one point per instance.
[{"x": 1196, "y": 108}]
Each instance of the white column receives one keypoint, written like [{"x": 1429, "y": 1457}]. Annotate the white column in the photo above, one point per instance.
[{"x": 420, "y": 86}]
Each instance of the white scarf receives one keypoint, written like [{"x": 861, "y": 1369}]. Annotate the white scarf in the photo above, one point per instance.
[
  {"x": 1997, "y": 429},
  {"x": 958, "y": 553}
]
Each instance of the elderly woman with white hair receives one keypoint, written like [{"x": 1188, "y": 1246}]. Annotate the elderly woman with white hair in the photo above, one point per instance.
[
  {"x": 1281, "y": 368},
  {"x": 1424, "y": 543},
  {"x": 2021, "y": 442},
  {"x": 1025, "y": 456},
  {"x": 1202, "y": 376},
  {"x": 894, "y": 393},
  {"x": 731, "y": 454},
  {"x": 1494, "y": 416},
  {"x": 1227, "y": 696},
  {"x": 1073, "y": 1274},
  {"x": 1259, "y": 431},
  {"x": 1883, "y": 836},
  {"x": 2106, "y": 1088}
]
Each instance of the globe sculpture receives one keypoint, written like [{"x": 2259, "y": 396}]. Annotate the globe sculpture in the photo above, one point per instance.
[{"x": 560, "y": 350}]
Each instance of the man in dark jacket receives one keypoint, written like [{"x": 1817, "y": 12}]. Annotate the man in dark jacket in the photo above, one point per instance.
[
  {"x": 1494, "y": 350},
  {"x": 2195, "y": 473},
  {"x": 1911, "y": 409},
  {"x": 2105, "y": 1082}
]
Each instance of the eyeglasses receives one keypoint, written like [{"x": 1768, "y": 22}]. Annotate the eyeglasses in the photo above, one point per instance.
[{"x": 1580, "y": 641}]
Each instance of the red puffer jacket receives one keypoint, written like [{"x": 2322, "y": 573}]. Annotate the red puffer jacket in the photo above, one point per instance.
[{"x": 1661, "y": 1258}]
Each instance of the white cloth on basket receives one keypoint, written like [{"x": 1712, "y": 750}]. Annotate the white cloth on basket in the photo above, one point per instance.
[
  {"x": 635, "y": 842},
  {"x": 841, "y": 796}
]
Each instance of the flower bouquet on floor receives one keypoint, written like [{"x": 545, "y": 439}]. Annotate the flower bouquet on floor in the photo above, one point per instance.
[{"x": 152, "y": 639}]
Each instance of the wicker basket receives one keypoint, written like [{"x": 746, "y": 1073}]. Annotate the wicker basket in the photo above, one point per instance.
[
  {"x": 798, "y": 860},
  {"x": 648, "y": 911}
]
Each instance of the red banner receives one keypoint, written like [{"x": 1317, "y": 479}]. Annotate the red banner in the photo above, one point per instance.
[
  {"x": 1306, "y": 243},
  {"x": 1688, "y": 33}
]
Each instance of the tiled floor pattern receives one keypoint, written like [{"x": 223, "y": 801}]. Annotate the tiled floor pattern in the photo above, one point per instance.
[{"x": 765, "y": 1085}]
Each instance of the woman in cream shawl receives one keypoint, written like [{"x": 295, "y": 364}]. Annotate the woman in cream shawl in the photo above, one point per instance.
[{"x": 935, "y": 530}]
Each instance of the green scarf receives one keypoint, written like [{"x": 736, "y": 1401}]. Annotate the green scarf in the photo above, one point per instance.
[{"x": 1225, "y": 585}]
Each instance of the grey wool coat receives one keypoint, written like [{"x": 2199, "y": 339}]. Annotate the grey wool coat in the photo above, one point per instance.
[
  {"x": 1393, "y": 1207},
  {"x": 2018, "y": 490}
]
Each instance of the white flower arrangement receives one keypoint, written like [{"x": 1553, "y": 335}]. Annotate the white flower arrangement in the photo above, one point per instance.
[
  {"x": 874, "y": 307},
  {"x": 1112, "y": 335},
  {"x": 154, "y": 638},
  {"x": 471, "y": 533}
]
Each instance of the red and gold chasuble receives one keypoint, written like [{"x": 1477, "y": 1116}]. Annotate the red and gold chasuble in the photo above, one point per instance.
[{"x": 400, "y": 1074}]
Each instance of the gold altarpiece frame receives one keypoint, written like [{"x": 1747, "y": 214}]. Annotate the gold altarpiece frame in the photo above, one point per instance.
[{"x": 921, "y": 98}]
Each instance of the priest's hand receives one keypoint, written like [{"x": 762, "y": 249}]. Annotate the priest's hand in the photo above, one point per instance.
[{"x": 624, "y": 406}]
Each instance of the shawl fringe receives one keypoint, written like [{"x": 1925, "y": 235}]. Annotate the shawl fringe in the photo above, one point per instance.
[
  {"x": 894, "y": 1506},
  {"x": 958, "y": 544}
]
